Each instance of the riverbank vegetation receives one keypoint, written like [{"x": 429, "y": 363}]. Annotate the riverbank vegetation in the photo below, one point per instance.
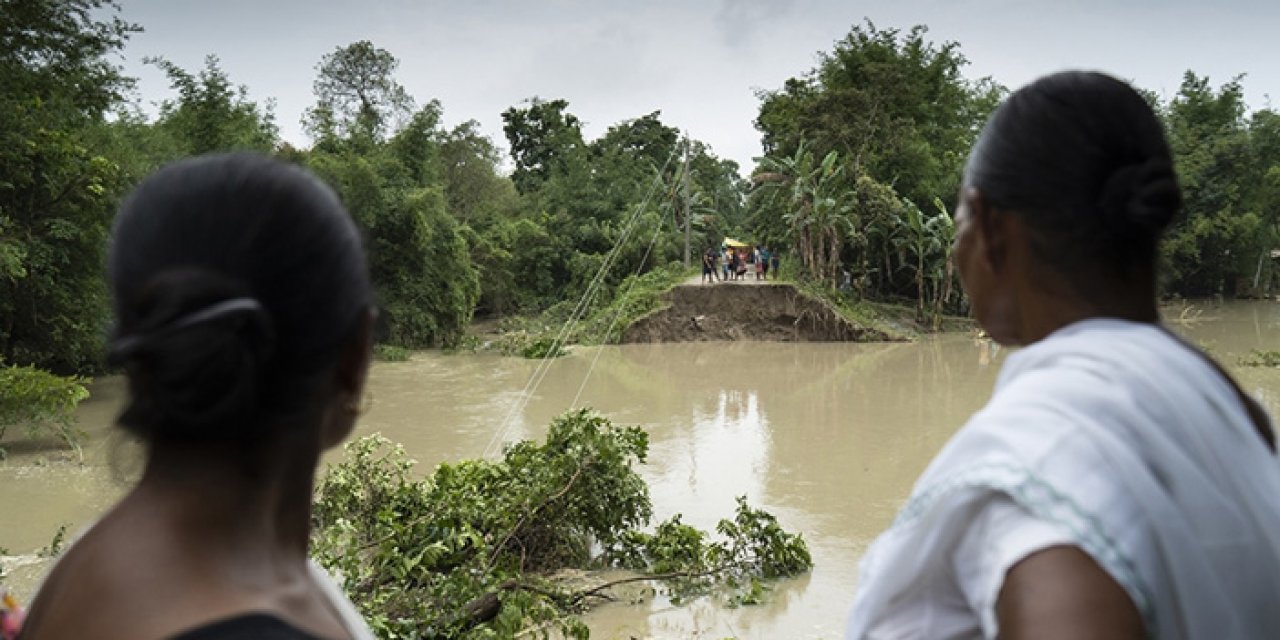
[
  {"x": 40, "y": 403},
  {"x": 592, "y": 320},
  {"x": 862, "y": 161}
]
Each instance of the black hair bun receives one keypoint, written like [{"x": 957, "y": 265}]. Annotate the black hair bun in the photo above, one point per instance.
[
  {"x": 196, "y": 350},
  {"x": 1141, "y": 198}
]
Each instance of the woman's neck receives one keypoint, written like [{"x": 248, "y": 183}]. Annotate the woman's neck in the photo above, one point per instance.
[
  {"x": 1049, "y": 306},
  {"x": 255, "y": 505}
]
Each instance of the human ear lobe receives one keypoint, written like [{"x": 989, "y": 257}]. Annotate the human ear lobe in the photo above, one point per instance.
[
  {"x": 970, "y": 198},
  {"x": 353, "y": 367},
  {"x": 992, "y": 227}
]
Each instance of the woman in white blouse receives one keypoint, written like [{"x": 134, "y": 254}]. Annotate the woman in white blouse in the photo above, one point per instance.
[{"x": 1118, "y": 484}]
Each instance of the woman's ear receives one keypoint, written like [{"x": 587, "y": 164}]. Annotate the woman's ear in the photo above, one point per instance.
[
  {"x": 349, "y": 378},
  {"x": 353, "y": 367},
  {"x": 992, "y": 228}
]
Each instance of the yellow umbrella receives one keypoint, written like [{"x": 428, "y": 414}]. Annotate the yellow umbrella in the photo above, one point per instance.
[{"x": 736, "y": 244}]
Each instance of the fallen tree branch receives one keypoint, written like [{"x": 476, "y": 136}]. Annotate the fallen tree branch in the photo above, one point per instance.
[
  {"x": 524, "y": 519},
  {"x": 594, "y": 591}
]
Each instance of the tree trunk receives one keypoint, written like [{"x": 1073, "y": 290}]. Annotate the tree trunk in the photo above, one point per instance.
[
  {"x": 920, "y": 284},
  {"x": 944, "y": 292}
]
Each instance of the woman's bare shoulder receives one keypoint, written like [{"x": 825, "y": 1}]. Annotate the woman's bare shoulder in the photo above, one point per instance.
[
  {"x": 117, "y": 583},
  {"x": 1061, "y": 592}
]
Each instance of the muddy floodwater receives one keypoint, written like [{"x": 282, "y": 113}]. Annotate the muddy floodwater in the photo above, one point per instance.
[{"x": 827, "y": 436}]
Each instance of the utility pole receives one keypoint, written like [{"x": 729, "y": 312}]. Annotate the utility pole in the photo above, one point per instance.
[{"x": 684, "y": 193}]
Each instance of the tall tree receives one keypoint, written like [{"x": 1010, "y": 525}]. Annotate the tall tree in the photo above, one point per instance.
[
  {"x": 545, "y": 138},
  {"x": 1219, "y": 240},
  {"x": 900, "y": 116},
  {"x": 212, "y": 114},
  {"x": 1262, "y": 185},
  {"x": 57, "y": 194},
  {"x": 895, "y": 105},
  {"x": 474, "y": 188},
  {"x": 357, "y": 94},
  {"x": 417, "y": 146}
]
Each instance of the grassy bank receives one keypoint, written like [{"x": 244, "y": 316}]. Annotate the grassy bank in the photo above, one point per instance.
[{"x": 602, "y": 322}]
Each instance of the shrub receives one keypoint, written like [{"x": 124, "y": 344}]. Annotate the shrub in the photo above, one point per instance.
[
  {"x": 41, "y": 402},
  {"x": 390, "y": 353}
]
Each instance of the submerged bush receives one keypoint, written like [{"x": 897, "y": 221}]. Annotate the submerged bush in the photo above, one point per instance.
[
  {"x": 1258, "y": 358},
  {"x": 383, "y": 352},
  {"x": 543, "y": 348},
  {"x": 41, "y": 402},
  {"x": 478, "y": 548}
]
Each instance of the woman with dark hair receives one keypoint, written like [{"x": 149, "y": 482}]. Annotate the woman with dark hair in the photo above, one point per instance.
[
  {"x": 1118, "y": 484},
  {"x": 243, "y": 323}
]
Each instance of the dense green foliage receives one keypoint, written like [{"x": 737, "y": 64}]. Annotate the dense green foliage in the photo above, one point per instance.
[
  {"x": 478, "y": 549},
  {"x": 56, "y": 190},
  {"x": 1259, "y": 358},
  {"x": 383, "y": 352},
  {"x": 864, "y": 156},
  {"x": 601, "y": 320},
  {"x": 611, "y": 206},
  {"x": 1229, "y": 166},
  {"x": 893, "y": 104},
  {"x": 40, "y": 402},
  {"x": 211, "y": 114}
]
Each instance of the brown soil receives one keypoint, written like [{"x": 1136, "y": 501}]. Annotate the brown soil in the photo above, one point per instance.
[{"x": 733, "y": 311}]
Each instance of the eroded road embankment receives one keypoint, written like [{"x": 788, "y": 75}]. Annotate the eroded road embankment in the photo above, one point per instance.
[{"x": 733, "y": 311}]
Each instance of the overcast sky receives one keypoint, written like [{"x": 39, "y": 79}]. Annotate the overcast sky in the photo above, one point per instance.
[{"x": 699, "y": 62}]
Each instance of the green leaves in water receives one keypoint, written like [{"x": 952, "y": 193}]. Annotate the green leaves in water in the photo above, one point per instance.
[
  {"x": 754, "y": 547},
  {"x": 543, "y": 348},
  {"x": 483, "y": 549},
  {"x": 383, "y": 352},
  {"x": 1258, "y": 358},
  {"x": 41, "y": 402}
]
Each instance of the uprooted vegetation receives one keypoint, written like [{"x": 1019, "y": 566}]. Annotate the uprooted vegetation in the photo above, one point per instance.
[
  {"x": 601, "y": 319},
  {"x": 483, "y": 549}
]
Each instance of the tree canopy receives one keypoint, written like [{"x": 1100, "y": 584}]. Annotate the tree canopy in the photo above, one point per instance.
[
  {"x": 863, "y": 155},
  {"x": 357, "y": 94},
  {"x": 1228, "y": 163},
  {"x": 57, "y": 192}
]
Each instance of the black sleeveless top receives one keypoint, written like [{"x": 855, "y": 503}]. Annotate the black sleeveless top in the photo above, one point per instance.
[{"x": 250, "y": 626}]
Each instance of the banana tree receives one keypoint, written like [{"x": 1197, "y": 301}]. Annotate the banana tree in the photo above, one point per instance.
[
  {"x": 816, "y": 205},
  {"x": 927, "y": 240},
  {"x": 943, "y": 227}
]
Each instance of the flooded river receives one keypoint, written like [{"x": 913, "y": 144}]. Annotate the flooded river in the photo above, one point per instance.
[{"x": 828, "y": 437}]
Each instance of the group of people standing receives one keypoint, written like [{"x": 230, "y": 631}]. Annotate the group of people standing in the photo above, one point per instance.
[{"x": 733, "y": 263}]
